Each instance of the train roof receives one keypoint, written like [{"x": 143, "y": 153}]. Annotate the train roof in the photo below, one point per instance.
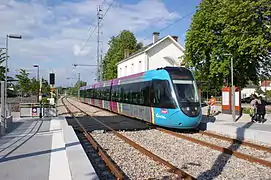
[{"x": 170, "y": 70}]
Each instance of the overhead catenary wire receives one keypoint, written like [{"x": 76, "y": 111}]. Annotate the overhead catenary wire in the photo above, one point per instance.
[
  {"x": 92, "y": 32},
  {"x": 174, "y": 22}
]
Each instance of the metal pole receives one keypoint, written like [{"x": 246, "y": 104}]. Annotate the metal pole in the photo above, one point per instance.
[
  {"x": 5, "y": 86},
  {"x": 40, "y": 95},
  {"x": 38, "y": 79},
  {"x": 233, "y": 92},
  {"x": 79, "y": 85},
  {"x": 98, "y": 39}
]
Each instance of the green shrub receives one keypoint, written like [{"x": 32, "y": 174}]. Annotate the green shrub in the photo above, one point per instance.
[{"x": 245, "y": 110}]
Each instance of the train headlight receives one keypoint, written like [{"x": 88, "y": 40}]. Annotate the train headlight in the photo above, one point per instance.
[{"x": 191, "y": 111}]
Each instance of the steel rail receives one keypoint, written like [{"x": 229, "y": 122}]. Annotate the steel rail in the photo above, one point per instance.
[
  {"x": 173, "y": 168},
  {"x": 245, "y": 143},
  {"x": 111, "y": 165},
  {"x": 218, "y": 148},
  {"x": 221, "y": 149}
]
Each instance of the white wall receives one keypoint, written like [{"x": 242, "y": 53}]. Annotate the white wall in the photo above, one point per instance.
[
  {"x": 132, "y": 66},
  {"x": 165, "y": 49},
  {"x": 156, "y": 59},
  {"x": 268, "y": 88},
  {"x": 246, "y": 92}
]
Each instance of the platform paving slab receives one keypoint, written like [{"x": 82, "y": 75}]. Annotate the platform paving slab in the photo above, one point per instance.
[
  {"x": 34, "y": 149},
  {"x": 242, "y": 129},
  {"x": 80, "y": 166}
]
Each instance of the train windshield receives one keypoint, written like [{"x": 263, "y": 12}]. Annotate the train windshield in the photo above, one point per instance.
[{"x": 186, "y": 91}]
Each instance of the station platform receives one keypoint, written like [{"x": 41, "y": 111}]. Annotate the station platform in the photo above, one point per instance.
[
  {"x": 243, "y": 128},
  {"x": 44, "y": 149}
]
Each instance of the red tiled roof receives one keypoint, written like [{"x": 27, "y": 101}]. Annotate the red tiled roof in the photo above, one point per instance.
[{"x": 266, "y": 83}]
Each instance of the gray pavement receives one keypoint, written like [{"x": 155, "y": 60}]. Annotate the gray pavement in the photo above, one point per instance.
[
  {"x": 242, "y": 129},
  {"x": 43, "y": 149},
  {"x": 25, "y": 152}
]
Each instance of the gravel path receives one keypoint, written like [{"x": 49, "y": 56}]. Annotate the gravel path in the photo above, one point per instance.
[
  {"x": 199, "y": 161},
  {"x": 61, "y": 110},
  {"x": 132, "y": 162},
  {"x": 237, "y": 147}
]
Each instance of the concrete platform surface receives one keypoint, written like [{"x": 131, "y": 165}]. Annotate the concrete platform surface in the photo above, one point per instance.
[
  {"x": 36, "y": 149},
  {"x": 243, "y": 128}
]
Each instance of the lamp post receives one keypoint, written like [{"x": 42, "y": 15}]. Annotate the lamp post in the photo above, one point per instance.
[
  {"x": 6, "y": 68},
  {"x": 232, "y": 90},
  {"x": 38, "y": 78}
]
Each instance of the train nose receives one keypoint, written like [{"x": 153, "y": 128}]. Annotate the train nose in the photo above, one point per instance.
[{"x": 181, "y": 120}]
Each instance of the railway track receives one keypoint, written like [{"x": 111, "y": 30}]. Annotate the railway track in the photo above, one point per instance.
[
  {"x": 252, "y": 152},
  {"x": 244, "y": 150},
  {"x": 171, "y": 171},
  {"x": 230, "y": 150}
]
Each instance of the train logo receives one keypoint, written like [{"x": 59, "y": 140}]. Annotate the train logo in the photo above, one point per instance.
[
  {"x": 160, "y": 116},
  {"x": 164, "y": 111}
]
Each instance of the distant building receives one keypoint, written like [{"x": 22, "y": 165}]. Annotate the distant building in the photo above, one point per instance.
[
  {"x": 266, "y": 85},
  {"x": 160, "y": 53},
  {"x": 248, "y": 91},
  {"x": 251, "y": 89}
]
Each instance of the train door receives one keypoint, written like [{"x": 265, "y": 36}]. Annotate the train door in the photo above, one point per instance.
[{"x": 162, "y": 101}]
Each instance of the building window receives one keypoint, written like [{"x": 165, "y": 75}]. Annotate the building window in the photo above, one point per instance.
[
  {"x": 120, "y": 72},
  {"x": 125, "y": 71},
  {"x": 132, "y": 66},
  {"x": 139, "y": 66}
]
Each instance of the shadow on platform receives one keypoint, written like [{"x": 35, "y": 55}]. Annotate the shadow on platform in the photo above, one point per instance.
[
  {"x": 118, "y": 123},
  {"x": 26, "y": 155}
]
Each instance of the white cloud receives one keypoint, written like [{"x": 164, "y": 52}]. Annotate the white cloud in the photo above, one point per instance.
[{"x": 53, "y": 36}]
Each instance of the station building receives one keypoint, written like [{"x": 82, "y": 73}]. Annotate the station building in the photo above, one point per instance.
[{"x": 161, "y": 52}]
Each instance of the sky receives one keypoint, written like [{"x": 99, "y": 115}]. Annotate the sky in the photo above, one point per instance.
[{"x": 59, "y": 33}]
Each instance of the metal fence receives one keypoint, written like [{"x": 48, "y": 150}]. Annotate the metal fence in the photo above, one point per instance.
[{"x": 34, "y": 109}]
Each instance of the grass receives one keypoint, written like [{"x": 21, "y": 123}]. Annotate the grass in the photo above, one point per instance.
[{"x": 245, "y": 110}]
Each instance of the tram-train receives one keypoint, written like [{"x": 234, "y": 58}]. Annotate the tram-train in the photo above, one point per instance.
[{"x": 166, "y": 97}]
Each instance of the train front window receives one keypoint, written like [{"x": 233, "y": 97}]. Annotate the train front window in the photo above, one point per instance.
[{"x": 186, "y": 91}]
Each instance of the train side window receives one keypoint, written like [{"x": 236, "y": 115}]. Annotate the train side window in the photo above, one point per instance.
[
  {"x": 95, "y": 93},
  {"x": 113, "y": 93},
  {"x": 161, "y": 94},
  {"x": 107, "y": 93},
  {"x": 135, "y": 93},
  {"x": 81, "y": 93},
  {"x": 103, "y": 93},
  {"x": 144, "y": 89},
  {"x": 121, "y": 91},
  {"x": 98, "y": 93},
  {"x": 126, "y": 93},
  {"x": 118, "y": 93},
  {"x": 91, "y": 93}
]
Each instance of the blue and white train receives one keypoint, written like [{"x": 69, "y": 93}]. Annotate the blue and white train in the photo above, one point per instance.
[{"x": 166, "y": 97}]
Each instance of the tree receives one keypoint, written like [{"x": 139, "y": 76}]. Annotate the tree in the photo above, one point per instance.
[
  {"x": 259, "y": 90},
  {"x": 268, "y": 94},
  {"x": 241, "y": 29},
  {"x": 45, "y": 89},
  {"x": 24, "y": 82},
  {"x": 35, "y": 85},
  {"x": 117, "y": 45},
  {"x": 74, "y": 90}
]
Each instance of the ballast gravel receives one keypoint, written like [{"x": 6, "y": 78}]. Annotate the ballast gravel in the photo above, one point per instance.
[
  {"x": 236, "y": 147},
  {"x": 199, "y": 161},
  {"x": 132, "y": 162}
]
